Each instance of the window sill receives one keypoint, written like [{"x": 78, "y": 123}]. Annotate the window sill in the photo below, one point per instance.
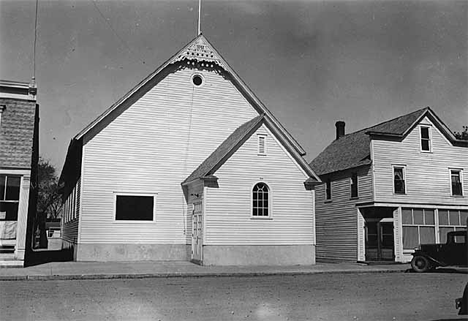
[
  {"x": 261, "y": 154},
  {"x": 403, "y": 194},
  {"x": 458, "y": 196},
  {"x": 134, "y": 222},
  {"x": 354, "y": 198},
  {"x": 266, "y": 218},
  {"x": 327, "y": 201}
]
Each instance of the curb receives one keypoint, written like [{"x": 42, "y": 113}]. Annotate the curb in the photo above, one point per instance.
[{"x": 180, "y": 275}]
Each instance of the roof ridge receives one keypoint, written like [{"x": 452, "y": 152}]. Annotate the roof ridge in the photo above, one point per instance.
[{"x": 388, "y": 121}]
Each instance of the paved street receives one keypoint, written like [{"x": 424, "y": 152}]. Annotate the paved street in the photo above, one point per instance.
[{"x": 377, "y": 296}]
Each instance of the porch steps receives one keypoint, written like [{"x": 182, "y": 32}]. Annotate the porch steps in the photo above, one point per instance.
[{"x": 8, "y": 260}]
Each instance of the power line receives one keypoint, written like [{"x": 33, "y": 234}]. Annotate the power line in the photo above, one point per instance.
[
  {"x": 115, "y": 32},
  {"x": 34, "y": 46}
]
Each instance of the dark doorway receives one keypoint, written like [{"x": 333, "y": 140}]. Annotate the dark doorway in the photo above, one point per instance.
[{"x": 379, "y": 241}]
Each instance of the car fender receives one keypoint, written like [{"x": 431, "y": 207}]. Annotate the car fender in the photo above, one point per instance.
[{"x": 429, "y": 257}]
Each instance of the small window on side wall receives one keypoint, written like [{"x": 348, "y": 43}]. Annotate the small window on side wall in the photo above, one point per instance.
[
  {"x": 134, "y": 208},
  {"x": 456, "y": 181},
  {"x": 425, "y": 139},
  {"x": 399, "y": 184},
  {"x": 261, "y": 145},
  {"x": 328, "y": 192},
  {"x": 354, "y": 185}
]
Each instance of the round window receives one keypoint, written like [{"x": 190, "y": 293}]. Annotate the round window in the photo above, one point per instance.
[{"x": 197, "y": 80}]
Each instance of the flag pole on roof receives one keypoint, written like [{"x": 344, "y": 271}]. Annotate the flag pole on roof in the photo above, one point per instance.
[{"x": 199, "y": 17}]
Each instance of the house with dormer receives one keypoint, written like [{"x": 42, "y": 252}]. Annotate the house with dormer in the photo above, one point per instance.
[
  {"x": 19, "y": 155},
  {"x": 189, "y": 165},
  {"x": 390, "y": 187}
]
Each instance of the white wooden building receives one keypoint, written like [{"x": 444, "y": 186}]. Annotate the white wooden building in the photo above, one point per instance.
[
  {"x": 389, "y": 188},
  {"x": 189, "y": 165}
]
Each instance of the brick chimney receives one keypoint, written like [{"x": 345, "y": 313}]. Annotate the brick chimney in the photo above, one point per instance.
[{"x": 340, "y": 129}]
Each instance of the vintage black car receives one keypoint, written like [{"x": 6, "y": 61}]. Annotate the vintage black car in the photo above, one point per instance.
[{"x": 429, "y": 256}]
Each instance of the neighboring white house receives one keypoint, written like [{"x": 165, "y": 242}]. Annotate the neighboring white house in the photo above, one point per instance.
[
  {"x": 389, "y": 188},
  {"x": 189, "y": 165}
]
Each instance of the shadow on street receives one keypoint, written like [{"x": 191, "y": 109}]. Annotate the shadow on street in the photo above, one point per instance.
[
  {"x": 442, "y": 270},
  {"x": 38, "y": 257}
]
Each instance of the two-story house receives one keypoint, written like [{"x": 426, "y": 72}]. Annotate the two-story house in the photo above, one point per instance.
[
  {"x": 389, "y": 188},
  {"x": 19, "y": 125},
  {"x": 189, "y": 165}
]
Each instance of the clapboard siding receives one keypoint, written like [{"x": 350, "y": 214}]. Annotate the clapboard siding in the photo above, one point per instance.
[
  {"x": 228, "y": 218},
  {"x": 151, "y": 148},
  {"x": 336, "y": 222},
  {"x": 71, "y": 214},
  {"x": 427, "y": 174},
  {"x": 70, "y": 231}
]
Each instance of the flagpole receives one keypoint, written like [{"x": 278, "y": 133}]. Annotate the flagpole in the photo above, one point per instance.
[{"x": 199, "y": 17}]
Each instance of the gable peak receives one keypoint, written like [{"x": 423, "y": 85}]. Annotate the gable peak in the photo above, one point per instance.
[{"x": 201, "y": 51}]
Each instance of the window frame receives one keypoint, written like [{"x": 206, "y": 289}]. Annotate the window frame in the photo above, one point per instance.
[
  {"x": 443, "y": 227},
  {"x": 197, "y": 74},
  {"x": 354, "y": 182},
  {"x": 4, "y": 199},
  {"x": 460, "y": 177},
  {"x": 270, "y": 203},
  {"x": 419, "y": 226},
  {"x": 259, "y": 138},
  {"x": 136, "y": 194},
  {"x": 429, "y": 139},
  {"x": 403, "y": 170}
]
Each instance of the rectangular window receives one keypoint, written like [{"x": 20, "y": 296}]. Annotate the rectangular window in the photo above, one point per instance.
[
  {"x": 9, "y": 197},
  {"x": 134, "y": 208},
  {"x": 425, "y": 139},
  {"x": 456, "y": 180},
  {"x": 418, "y": 227},
  {"x": 399, "y": 180},
  {"x": 451, "y": 220},
  {"x": 261, "y": 144},
  {"x": 354, "y": 185},
  {"x": 328, "y": 189}
]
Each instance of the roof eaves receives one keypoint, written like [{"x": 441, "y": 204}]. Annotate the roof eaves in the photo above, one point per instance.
[
  {"x": 361, "y": 164},
  {"x": 258, "y": 101},
  {"x": 278, "y": 132}
]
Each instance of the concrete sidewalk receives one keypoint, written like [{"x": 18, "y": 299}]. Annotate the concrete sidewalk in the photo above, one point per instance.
[{"x": 152, "y": 269}]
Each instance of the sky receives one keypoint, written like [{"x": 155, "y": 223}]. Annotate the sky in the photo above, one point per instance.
[{"x": 311, "y": 63}]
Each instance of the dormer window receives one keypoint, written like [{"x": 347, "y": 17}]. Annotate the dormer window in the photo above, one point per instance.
[
  {"x": 261, "y": 144},
  {"x": 425, "y": 139}
]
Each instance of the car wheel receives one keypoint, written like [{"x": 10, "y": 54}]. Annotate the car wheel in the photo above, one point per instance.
[{"x": 420, "y": 264}]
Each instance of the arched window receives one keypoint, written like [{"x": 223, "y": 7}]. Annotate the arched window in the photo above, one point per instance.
[{"x": 260, "y": 197}]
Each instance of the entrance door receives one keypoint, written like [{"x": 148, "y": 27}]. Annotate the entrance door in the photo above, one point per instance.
[
  {"x": 379, "y": 241},
  {"x": 197, "y": 232}
]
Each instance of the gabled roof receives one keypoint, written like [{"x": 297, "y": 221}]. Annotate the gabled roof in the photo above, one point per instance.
[
  {"x": 229, "y": 145},
  {"x": 353, "y": 150},
  {"x": 201, "y": 51},
  {"x": 232, "y": 144}
]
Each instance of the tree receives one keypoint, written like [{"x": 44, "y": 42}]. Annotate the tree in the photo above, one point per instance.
[
  {"x": 49, "y": 200},
  {"x": 462, "y": 135}
]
